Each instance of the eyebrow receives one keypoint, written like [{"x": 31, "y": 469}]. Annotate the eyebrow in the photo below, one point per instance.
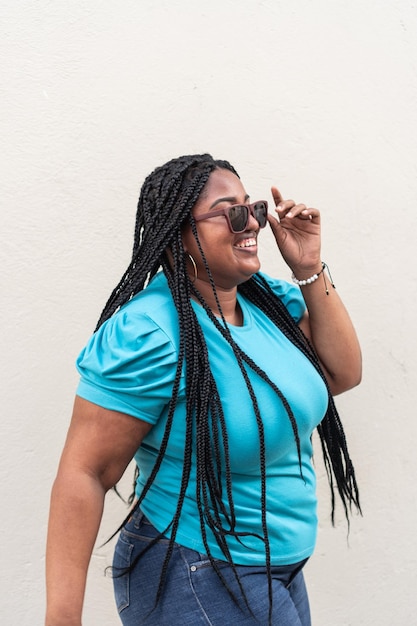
[{"x": 230, "y": 199}]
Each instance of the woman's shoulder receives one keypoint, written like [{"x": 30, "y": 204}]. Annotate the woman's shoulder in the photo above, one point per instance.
[
  {"x": 144, "y": 327},
  {"x": 129, "y": 363},
  {"x": 277, "y": 284},
  {"x": 288, "y": 293},
  {"x": 155, "y": 301},
  {"x": 150, "y": 310}
]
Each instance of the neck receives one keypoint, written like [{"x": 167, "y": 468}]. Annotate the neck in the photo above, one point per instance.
[{"x": 227, "y": 300}]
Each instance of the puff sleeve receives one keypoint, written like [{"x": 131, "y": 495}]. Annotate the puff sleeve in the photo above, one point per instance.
[
  {"x": 290, "y": 295},
  {"x": 129, "y": 365}
]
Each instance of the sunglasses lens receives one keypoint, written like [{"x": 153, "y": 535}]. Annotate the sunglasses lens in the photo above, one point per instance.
[
  {"x": 261, "y": 211},
  {"x": 238, "y": 216}
]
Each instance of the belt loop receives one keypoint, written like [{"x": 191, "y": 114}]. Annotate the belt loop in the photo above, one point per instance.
[{"x": 137, "y": 518}]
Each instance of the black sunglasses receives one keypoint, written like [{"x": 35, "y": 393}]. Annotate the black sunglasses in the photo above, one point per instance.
[{"x": 238, "y": 215}]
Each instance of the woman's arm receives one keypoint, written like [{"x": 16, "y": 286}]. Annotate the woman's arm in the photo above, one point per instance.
[
  {"x": 327, "y": 323},
  {"x": 329, "y": 328},
  {"x": 99, "y": 446}
]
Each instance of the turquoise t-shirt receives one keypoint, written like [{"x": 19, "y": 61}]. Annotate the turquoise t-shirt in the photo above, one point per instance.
[{"x": 129, "y": 366}]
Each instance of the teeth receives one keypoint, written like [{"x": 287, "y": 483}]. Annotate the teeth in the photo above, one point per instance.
[{"x": 247, "y": 243}]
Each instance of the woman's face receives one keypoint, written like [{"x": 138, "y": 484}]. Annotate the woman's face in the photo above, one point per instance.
[{"x": 232, "y": 258}]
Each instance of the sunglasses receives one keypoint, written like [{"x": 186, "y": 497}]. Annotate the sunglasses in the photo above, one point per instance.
[{"x": 238, "y": 215}]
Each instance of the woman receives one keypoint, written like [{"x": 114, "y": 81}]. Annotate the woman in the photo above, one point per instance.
[{"x": 213, "y": 376}]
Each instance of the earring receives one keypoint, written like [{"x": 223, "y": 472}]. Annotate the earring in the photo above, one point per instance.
[{"x": 194, "y": 268}]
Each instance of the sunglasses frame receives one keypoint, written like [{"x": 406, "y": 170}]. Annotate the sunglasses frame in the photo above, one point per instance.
[{"x": 225, "y": 213}]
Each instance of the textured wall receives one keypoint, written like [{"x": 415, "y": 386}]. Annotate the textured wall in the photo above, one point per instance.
[{"x": 317, "y": 97}]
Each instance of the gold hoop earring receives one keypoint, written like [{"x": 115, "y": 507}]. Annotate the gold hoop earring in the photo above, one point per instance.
[{"x": 193, "y": 263}]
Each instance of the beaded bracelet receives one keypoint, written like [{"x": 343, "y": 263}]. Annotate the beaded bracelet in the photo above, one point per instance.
[{"x": 312, "y": 279}]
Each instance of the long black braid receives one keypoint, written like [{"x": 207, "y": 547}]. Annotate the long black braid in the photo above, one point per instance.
[
  {"x": 337, "y": 461},
  {"x": 165, "y": 204}
]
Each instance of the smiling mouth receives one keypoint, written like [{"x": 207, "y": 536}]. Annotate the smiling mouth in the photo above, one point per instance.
[{"x": 246, "y": 243}]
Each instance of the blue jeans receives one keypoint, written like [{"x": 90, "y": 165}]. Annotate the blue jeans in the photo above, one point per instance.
[{"x": 193, "y": 594}]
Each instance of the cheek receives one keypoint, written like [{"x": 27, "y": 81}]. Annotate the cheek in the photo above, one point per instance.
[{"x": 215, "y": 241}]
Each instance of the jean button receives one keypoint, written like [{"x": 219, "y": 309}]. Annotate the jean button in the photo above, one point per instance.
[{"x": 193, "y": 568}]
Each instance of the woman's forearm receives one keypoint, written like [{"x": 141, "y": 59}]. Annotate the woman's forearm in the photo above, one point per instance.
[
  {"x": 99, "y": 446},
  {"x": 331, "y": 331},
  {"x": 76, "y": 509}
]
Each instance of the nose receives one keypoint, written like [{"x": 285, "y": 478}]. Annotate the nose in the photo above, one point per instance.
[{"x": 252, "y": 223}]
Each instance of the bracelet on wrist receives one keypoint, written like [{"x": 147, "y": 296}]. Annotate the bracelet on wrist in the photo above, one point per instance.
[{"x": 314, "y": 277}]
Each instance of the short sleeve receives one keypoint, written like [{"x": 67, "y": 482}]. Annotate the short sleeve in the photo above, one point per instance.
[
  {"x": 290, "y": 295},
  {"x": 129, "y": 365}
]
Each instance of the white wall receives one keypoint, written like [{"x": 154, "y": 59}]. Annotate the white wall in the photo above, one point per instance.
[{"x": 317, "y": 97}]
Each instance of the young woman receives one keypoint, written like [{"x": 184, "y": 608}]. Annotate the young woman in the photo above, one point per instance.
[{"x": 213, "y": 376}]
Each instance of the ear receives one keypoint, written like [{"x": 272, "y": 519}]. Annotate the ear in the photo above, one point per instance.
[
  {"x": 187, "y": 236},
  {"x": 168, "y": 252}
]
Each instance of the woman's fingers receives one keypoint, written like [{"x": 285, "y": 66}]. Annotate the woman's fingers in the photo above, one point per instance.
[
  {"x": 288, "y": 208},
  {"x": 276, "y": 194}
]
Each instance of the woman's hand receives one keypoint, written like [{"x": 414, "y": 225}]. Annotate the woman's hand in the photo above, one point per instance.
[{"x": 297, "y": 233}]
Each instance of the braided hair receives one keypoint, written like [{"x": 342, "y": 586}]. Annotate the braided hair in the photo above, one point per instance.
[{"x": 165, "y": 205}]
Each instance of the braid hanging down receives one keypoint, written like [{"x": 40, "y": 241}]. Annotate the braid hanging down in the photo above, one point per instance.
[{"x": 165, "y": 203}]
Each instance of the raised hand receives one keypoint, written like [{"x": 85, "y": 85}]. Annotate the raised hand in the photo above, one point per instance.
[{"x": 297, "y": 233}]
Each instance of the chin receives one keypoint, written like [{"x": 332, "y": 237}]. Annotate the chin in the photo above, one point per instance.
[
  {"x": 249, "y": 274},
  {"x": 254, "y": 267}
]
